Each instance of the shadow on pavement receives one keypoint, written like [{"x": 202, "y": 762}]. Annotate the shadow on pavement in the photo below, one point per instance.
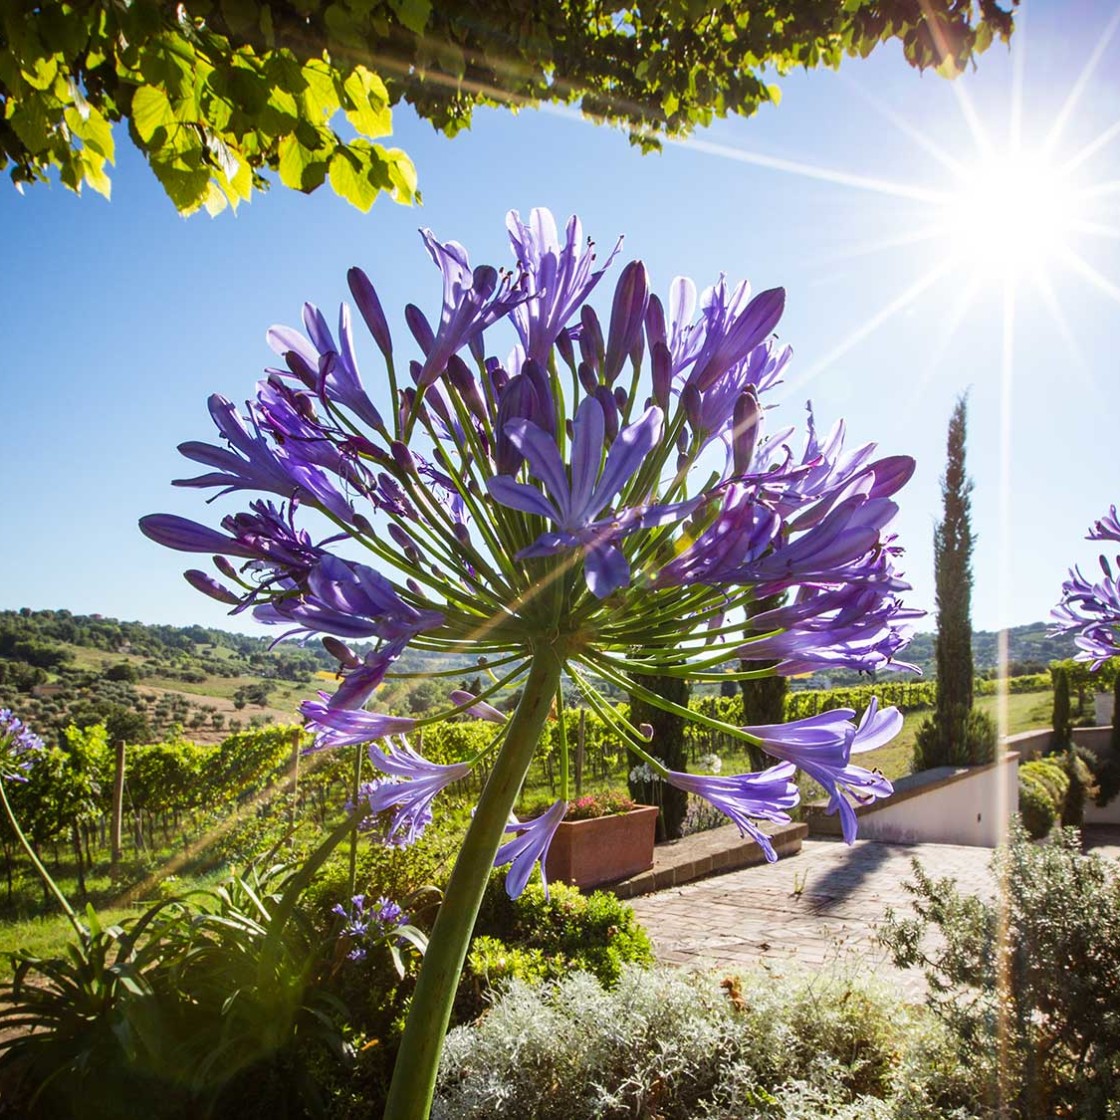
[{"x": 860, "y": 861}]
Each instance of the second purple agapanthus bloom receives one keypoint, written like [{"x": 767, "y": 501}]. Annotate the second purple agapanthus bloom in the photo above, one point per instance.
[{"x": 1091, "y": 610}]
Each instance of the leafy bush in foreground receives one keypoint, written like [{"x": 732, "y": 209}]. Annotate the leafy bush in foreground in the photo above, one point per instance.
[
  {"x": 679, "y": 1046},
  {"x": 1028, "y": 987},
  {"x": 535, "y": 938}
]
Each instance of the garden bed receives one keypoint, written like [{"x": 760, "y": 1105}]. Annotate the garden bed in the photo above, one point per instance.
[{"x": 707, "y": 853}]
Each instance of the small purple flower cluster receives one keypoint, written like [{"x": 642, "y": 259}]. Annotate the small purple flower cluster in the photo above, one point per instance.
[
  {"x": 19, "y": 746},
  {"x": 1093, "y": 609},
  {"x": 368, "y": 927},
  {"x": 499, "y": 512}
]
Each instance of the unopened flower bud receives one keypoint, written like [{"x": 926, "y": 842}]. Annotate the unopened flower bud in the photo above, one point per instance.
[
  {"x": 403, "y": 457},
  {"x": 628, "y": 311},
  {"x": 590, "y": 338},
  {"x": 747, "y": 417},
  {"x": 369, "y": 307},
  {"x": 421, "y": 329},
  {"x": 565, "y": 349},
  {"x": 208, "y": 585},
  {"x": 342, "y": 653},
  {"x": 655, "y": 323},
  {"x": 226, "y": 568}
]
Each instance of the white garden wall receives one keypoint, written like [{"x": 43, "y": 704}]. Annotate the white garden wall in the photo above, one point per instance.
[{"x": 947, "y": 805}]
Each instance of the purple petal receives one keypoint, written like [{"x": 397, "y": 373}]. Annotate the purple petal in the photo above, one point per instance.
[
  {"x": 339, "y": 727},
  {"x": 588, "y": 433},
  {"x": 606, "y": 569},
  {"x": 522, "y": 496},
  {"x": 626, "y": 455},
  {"x": 529, "y": 847}
]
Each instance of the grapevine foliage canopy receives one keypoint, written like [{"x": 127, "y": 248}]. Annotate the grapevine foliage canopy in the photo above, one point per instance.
[{"x": 217, "y": 92}]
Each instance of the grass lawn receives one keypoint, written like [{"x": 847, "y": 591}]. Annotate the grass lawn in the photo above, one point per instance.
[
  {"x": 1025, "y": 711},
  {"x": 49, "y": 935}
]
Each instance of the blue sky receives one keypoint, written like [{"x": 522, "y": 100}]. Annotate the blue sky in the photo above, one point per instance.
[{"x": 118, "y": 319}]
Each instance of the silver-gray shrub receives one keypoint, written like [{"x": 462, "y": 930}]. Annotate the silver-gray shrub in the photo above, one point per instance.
[{"x": 684, "y": 1046}]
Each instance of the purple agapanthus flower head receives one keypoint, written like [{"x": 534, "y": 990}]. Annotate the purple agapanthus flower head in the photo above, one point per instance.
[
  {"x": 343, "y": 727},
  {"x": 1106, "y": 528},
  {"x": 410, "y": 785},
  {"x": 366, "y": 926},
  {"x": 746, "y": 798},
  {"x": 1091, "y": 611},
  {"x": 529, "y": 847},
  {"x": 556, "y": 512},
  {"x": 19, "y": 747},
  {"x": 822, "y": 746}
]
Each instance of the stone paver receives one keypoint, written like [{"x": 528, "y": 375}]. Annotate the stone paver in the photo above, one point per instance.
[{"x": 819, "y": 907}]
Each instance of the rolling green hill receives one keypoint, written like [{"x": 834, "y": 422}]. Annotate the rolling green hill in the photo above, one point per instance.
[{"x": 154, "y": 680}]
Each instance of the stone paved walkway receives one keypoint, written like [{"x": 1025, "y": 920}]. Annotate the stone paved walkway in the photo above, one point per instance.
[{"x": 819, "y": 907}]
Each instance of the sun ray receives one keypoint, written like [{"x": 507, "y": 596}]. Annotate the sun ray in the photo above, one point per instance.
[
  {"x": 1095, "y": 229},
  {"x": 922, "y": 139},
  {"x": 1088, "y": 272},
  {"x": 1079, "y": 366},
  {"x": 899, "y": 303},
  {"x": 870, "y": 248},
  {"x": 1104, "y": 138},
  {"x": 812, "y": 171},
  {"x": 963, "y": 302},
  {"x": 1100, "y": 190},
  {"x": 1091, "y": 63},
  {"x": 1018, "y": 70}
]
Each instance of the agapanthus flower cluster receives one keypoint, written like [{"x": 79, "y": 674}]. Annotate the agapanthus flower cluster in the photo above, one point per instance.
[
  {"x": 1092, "y": 610},
  {"x": 19, "y": 746},
  {"x": 604, "y": 494},
  {"x": 368, "y": 926}
]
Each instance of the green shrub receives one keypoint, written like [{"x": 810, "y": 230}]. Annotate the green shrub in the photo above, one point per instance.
[
  {"x": 927, "y": 747},
  {"x": 1036, "y": 808},
  {"x": 678, "y": 1046},
  {"x": 534, "y": 937},
  {"x": 1050, "y": 773},
  {"x": 980, "y": 738},
  {"x": 1027, "y": 983},
  {"x": 972, "y": 741},
  {"x": 495, "y": 963},
  {"x": 1082, "y": 786}
]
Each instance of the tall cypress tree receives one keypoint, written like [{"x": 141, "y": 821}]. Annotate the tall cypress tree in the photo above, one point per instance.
[
  {"x": 954, "y": 735},
  {"x": 952, "y": 559}
]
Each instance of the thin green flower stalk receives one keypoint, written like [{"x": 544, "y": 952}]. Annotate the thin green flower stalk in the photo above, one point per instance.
[
  {"x": 19, "y": 748},
  {"x": 604, "y": 504}
]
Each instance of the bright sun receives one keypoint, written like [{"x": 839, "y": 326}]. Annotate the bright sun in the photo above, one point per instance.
[{"x": 1011, "y": 214}]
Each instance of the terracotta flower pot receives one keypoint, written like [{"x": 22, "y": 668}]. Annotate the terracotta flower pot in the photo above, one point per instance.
[{"x": 603, "y": 849}]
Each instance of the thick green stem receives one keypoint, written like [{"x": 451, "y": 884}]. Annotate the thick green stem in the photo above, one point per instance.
[
  {"x": 355, "y": 793},
  {"x": 48, "y": 882},
  {"x": 414, "y": 1078}
]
